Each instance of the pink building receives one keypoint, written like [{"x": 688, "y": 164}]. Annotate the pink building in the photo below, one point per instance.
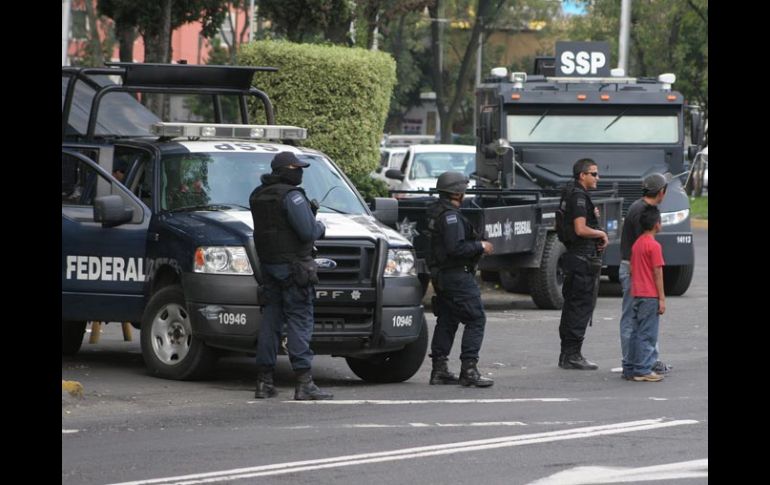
[{"x": 186, "y": 41}]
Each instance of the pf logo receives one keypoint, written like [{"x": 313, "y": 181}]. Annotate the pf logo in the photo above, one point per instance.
[{"x": 582, "y": 59}]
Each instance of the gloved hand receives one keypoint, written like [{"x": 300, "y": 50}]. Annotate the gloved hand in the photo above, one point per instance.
[{"x": 314, "y": 205}]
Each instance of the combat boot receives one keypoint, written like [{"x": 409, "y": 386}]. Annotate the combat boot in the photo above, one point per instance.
[
  {"x": 562, "y": 356},
  {"x": 440, "y": 373},
  {"x": 306, "y": 390},
  {"x": 265, "y": 387},
  {"x": 470, "y": 376},
  {"x": 577, "y": 361}
]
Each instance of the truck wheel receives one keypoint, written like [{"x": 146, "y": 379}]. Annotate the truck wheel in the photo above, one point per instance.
[
  {"x": 490, "y": 276},
  {"x": 72, "y": 337},
  {"x": 169, "y": 348},
  {"x": 676, "y": 279},
  {"x": 516, "y": 281},
  {"x": 395, "y": 366},
  {"x": 546, "y": 281}
]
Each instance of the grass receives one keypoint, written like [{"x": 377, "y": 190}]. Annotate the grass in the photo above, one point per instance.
[{"x": 699, "y": 207}]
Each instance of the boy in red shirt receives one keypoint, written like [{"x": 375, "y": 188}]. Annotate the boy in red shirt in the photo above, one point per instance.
[{"x": 649, "y": 298}]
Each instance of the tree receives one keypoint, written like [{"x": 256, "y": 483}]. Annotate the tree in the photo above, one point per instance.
[
  {"x": 304, "y": 20},
  {"x": 451, "y": 86}
]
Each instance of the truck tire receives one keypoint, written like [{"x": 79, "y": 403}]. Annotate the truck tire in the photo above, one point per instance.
[
  {"x": 676, "y": 279},
  {"x": 489, "y": 276},
  {"x": 395, "y": 366},
  {"x": 516, "y": 281},
  {"x": 72, "y": 337},
  {"x": 546, "y": 281},
  {"x": 169, "y": 348}
]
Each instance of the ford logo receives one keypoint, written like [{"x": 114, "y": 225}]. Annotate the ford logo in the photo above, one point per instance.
[{"x": 326, "y": 263}]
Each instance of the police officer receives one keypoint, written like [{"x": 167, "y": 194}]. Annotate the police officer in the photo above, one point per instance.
[
  {"x": 285, "y": 229},
  {"x": 455, "y": 248},
  {"x": 653, "y": 192},
  {"x": 581, "y": 263}
]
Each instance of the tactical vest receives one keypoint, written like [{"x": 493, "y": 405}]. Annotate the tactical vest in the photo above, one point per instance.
[
  {"x": 581, "y": 245},
  {"x": 274, "y": 237},
  {"x": 438, "y": 257}
]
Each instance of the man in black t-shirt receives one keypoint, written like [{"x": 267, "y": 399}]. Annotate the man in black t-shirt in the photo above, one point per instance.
[{"x": 581, "y": 264}]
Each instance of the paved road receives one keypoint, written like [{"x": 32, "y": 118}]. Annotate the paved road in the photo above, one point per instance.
[{"x": 538, "y": 424}]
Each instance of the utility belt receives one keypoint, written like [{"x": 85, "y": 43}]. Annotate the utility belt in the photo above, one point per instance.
[{"x": 468, "y": 268}]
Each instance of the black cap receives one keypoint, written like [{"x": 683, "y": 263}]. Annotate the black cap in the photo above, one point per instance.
[{"x": 284, "y": 159}]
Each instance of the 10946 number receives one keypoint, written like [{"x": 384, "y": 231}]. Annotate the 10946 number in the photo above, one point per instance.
[
  {"x": 232, "y": 318},
  {"x": 402, "y": 321}
]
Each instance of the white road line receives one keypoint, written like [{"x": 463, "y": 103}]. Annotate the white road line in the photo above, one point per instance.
[
  {"x": 436, "y": 401},
  {"x": 431, "y": 425},
  {"x": 69, "y": 431},
  {"x": 598, "y": 474},
  {"x": 411, "y": 453}
]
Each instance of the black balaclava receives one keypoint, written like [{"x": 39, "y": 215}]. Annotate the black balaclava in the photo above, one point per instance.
[{"x": 292, "y": 176}]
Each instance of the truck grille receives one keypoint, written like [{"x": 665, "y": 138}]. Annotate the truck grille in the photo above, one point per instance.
[
  {"x": 629, "y": 190},
  {"x": 354, "y": 259}
]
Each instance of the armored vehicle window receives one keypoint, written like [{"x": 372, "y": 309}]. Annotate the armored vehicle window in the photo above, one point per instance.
[
  {"x": 593, "y": 128},
  {"x": 78, "y": 182}
]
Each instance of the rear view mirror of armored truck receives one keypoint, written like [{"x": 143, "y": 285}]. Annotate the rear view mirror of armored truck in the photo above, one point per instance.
[{"x": 111, "y": 211}]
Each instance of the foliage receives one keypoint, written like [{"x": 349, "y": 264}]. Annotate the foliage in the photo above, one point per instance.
[
  {"x": 666, "y": 36},
  {"x": 369, "y": 187},
  {"x": 302, "y": 20},
  {"x": 341, "y": 95}
]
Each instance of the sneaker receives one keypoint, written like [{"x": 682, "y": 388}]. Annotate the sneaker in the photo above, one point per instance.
[
  {"x": 651, "y": 377},
  {"x": 661, "y": 367}
]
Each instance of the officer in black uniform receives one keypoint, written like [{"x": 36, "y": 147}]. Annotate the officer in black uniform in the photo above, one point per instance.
[
  {"x": 581, "y": 263},
  {"x": 285, "y": 229},
  {"x": 455, "y": 248}
]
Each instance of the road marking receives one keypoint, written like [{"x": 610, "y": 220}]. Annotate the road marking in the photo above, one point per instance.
[
  {"x": 68, "y": 431},
  {"x": 411, "y": 453},
  {"x": 431, "y": 425},
  {"x": 436, "y": 401},
  {"x": 598, "y": 474}
]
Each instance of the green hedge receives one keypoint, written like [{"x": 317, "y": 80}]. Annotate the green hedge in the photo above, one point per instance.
[{"x": 340, "y": 94}]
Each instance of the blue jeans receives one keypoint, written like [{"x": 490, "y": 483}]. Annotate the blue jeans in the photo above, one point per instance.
[
  {"x": 626, "y": 316},
  {"x": 644, "y": 335},
  {"x": 290, "y": 305}
]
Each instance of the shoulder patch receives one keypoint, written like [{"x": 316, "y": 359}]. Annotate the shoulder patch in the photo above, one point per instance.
[
  {"x": 451, "y": 219},
  {"x": 581, "y": 201},
  {"x": 297, "y": 199}
]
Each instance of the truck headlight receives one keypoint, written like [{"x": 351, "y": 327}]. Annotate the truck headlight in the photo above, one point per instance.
[
  {"x": 222, "y": 260},
  {"x": 400, "y": 263},
  {"x": 669, "y": 218}
]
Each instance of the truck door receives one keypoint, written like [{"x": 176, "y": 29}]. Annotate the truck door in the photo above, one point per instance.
[{"x": 103, "y": 263}]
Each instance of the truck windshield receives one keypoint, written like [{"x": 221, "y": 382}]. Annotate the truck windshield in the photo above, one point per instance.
[
  {"x": 201, "y": 180},
  {"x": 593, "y": 128}
]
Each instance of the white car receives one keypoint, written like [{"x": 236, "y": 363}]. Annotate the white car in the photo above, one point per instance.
[
  {"x": 424, "y": 163},
  {"x": 390, "y": 157}
]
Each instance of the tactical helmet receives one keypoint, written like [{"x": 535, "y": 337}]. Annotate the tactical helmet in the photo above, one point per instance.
[
  {"x": 654, "y": 182},
  {"x": 452, "y": 182}
]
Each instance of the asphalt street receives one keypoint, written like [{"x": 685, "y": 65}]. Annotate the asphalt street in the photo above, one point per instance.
[{"x": 538, "y": 424}]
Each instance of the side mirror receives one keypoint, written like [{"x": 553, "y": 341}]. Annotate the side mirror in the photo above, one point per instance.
[
  {"x": 111, "y": 211},
  {"x": 498, "y": 147},
  {"x": 394, "y": 173},
  {"x": 385, "y": 210},
  {"x": 692, "y": 150}
]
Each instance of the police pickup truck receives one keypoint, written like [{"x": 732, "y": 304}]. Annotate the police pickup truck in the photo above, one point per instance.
[{"x": 170, "y": 248}]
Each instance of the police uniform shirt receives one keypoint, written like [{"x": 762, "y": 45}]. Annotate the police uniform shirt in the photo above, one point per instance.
[
  {"x": 301, "y": 217},
  {"x": 632, "y": 228},
  {"x": 580, "y": 205},
  {"x": 458, "y": 239}
]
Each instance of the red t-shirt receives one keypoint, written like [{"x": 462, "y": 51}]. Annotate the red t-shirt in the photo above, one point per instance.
[{"x": 646, "y": 255}]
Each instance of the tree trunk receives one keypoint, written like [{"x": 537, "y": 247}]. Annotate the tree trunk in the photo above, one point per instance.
[{"x": 126, "y": 36}]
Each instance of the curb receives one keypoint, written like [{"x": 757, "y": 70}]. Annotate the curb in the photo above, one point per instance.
[{"x": 700, "y": 223}]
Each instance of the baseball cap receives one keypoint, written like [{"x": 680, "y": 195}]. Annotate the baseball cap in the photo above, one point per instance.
[
  {"x": 655, "y": 181},
  {"x": 284, "y": 159}
]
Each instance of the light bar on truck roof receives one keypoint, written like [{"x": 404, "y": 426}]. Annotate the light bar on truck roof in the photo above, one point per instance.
[
  {"x": 667, "y": 79},
  {"x": 213, "y": 130}
]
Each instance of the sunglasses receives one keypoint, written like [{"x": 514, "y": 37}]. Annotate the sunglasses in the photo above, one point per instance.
[{"x": 593, "y": 174}]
